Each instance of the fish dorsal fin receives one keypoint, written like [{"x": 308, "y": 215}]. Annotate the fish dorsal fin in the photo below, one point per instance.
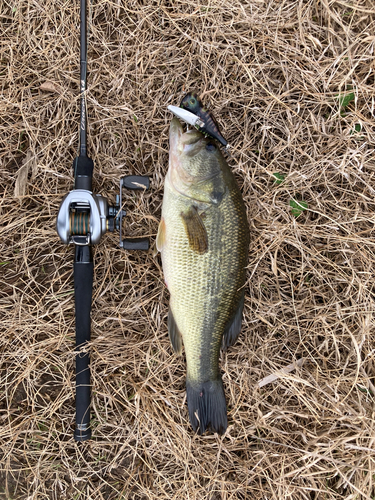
[
  {"x": 160, "y": 238},
  {"x": 195, "y": 230},
  {"x": 174, "y": 333},
  {"x": 233, "y": 328}
]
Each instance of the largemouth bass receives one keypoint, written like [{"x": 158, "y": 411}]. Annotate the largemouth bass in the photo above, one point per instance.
[{"x": 203, "y": 238}]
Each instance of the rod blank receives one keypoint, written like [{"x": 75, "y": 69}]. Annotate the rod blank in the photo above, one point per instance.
[{"x": 83, "y": 80}]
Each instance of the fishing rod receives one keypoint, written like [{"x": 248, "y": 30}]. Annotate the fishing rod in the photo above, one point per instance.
[{"x": 82, "y": 220}]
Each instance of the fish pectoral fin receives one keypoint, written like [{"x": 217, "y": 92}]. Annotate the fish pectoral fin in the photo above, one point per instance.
[
  {"x": 233, "y": 328},
  {"x": 160, "y": 238},
  {"x": 195, "y": 230},
  {"x": 174, "y": 334}
]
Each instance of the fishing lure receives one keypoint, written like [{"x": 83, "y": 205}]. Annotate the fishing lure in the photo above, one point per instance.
[{"x": 201, "y": 118}]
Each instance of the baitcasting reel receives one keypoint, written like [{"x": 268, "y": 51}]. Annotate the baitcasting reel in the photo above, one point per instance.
[{"x": 85, "y": 217}]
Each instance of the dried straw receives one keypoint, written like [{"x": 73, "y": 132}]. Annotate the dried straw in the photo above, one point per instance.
[{"x": 277, "y": 76}]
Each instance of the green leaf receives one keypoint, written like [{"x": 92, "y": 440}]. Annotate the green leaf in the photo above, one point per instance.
[
  {"x": 357, "y": 128},
  {"x": 279, "y": 178},
  {"x": 135, "y": 118},
  {"x": 298, "y": 206},
  {"x": 363, "y": 389},
  {"x": 23, "y": 140},
  {"x": 346, "y": 99}
]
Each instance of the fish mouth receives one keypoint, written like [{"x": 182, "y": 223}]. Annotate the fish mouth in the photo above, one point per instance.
[
  {"x": 183, "y": 146},
  {"x": 189, "y": 143}
]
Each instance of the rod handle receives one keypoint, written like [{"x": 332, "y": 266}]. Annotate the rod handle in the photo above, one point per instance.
[
  {"x": 83, "y": 168},
  {"x": 83, "y": 280}
]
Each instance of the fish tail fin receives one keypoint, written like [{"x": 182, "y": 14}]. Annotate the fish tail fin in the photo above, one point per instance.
[{"x": 207, "y": 406}]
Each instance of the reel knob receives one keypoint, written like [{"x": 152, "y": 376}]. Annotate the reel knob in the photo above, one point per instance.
[
  {"x": 135, "y": 182},
  {"x": 135, "y": 244}
]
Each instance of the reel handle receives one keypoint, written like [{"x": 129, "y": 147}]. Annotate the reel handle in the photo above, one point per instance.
[
  {"x": 133, "y": 182},
  {"x": 83, "y": 279}
]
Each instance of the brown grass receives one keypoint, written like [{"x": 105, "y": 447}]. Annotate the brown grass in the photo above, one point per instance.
[{"x": 271, "y": 71}]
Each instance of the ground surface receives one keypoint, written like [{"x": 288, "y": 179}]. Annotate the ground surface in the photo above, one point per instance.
[{"x": 292, "y": 85}]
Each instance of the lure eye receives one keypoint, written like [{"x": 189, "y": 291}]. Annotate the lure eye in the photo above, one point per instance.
[{"x": 210, "y": 147}]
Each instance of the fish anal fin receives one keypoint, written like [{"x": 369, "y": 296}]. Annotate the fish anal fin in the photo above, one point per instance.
[
  {"x": 195, "y": 230},
  {"x": 174, "y": 334},
  {"x": 160, "y": 238},
  {"x": 233, "y": 328}
]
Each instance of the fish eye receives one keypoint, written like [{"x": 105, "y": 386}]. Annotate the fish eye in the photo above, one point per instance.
[
  {"x": 192, "y": 100},
  {"x": 210, "y": 147}
]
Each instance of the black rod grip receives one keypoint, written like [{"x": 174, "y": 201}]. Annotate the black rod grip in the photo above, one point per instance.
[
  {"x": 83, "y": 168},
  {"x": 83, "y": 278}
]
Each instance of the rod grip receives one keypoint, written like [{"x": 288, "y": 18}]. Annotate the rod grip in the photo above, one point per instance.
[
  {"x": 83, "y": 168},
  {"x": 83, "y": 279}
]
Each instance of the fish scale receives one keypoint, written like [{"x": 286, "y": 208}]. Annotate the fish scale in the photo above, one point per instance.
[{"x": 205, "y": 288}]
